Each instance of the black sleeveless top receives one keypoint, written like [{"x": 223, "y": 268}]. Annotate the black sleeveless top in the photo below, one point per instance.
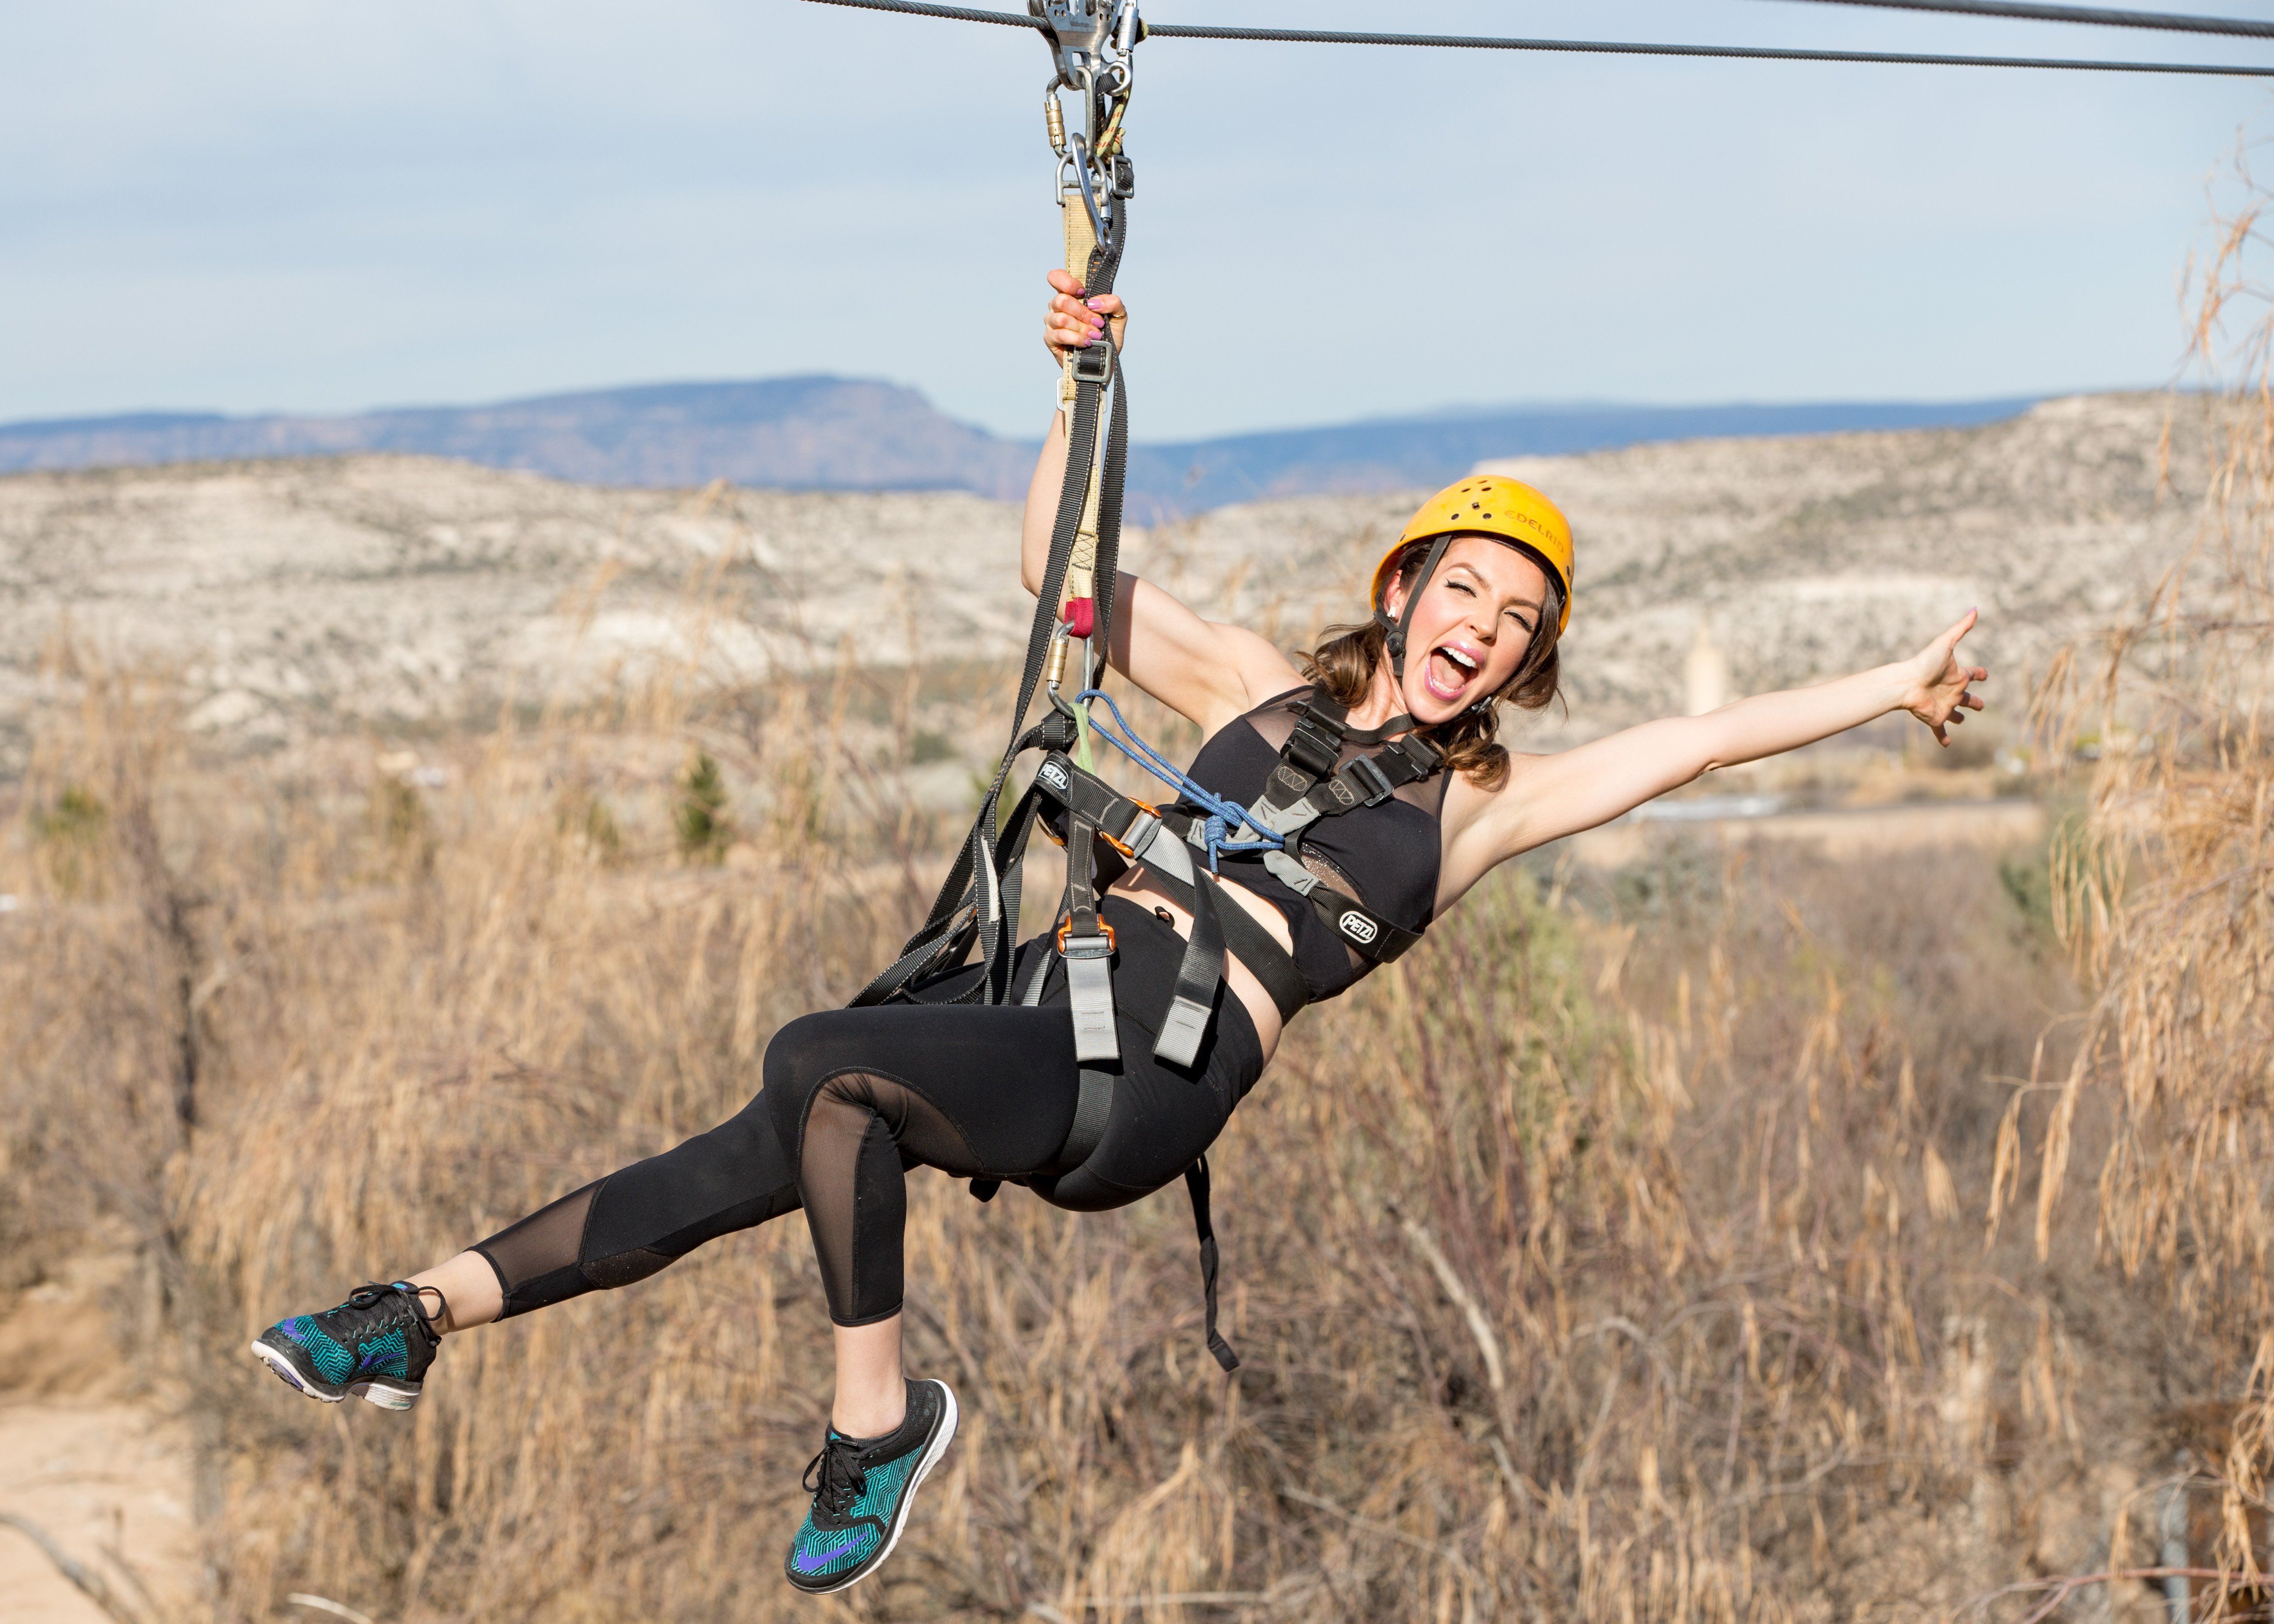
[{"x": 1387, "y": 856}]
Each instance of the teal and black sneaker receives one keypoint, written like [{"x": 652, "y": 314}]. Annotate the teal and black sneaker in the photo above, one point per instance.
[
  {"x": 376, "y": 1345},
  {"x": 862, "y": 1490}
]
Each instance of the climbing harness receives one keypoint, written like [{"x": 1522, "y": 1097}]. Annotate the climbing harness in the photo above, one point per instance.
[
  {"x": 2237, "y": 26},
  {"x": 1105, "y": 832}
]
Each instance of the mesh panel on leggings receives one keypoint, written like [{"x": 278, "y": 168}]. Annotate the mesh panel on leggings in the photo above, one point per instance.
[
  {"x": 536, "y": 1257},
  {"x": 858, "y": 1130},
  {"x": 641, "y": 1218}
]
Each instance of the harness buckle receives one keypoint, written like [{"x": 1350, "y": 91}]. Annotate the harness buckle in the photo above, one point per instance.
[
  {"x": 1312, "y": 747},
  {"x": 1363, "y": 768},
  {"x": 1141, "y": 832},
  {"x": 1088, "y": 948},
  {"x": 1095, "y": 364}
]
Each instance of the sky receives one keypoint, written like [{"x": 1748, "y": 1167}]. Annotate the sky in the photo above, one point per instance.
[{"x": 286, "y": 205}]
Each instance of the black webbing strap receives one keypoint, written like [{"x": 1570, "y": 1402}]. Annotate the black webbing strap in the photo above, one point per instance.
[
  {"x": 947, "y": 936},
  {"x": 1268, "y": 962},
  {"x": 1196, "y": 1186},
  {"x": 1398, "y": 628},
  {"x": 1306, "y": 785},
  {"x": 1093, "y": 1107},
  {"x": 1096, "y": 370},
  {"x": 1087, "y": 796},
  {"x": 1370, "y": 780},
  {"x": 1364, "y": 931},
  {"x": 961, "y": 911},
  {"x": 1306, "y": 773},
  {"x": 1183, "y": 1026},
  {"x": 1325, "y": 712}
]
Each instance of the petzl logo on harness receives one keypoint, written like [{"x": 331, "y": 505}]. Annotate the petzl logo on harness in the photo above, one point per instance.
[
  {"x": 1359, "y": 928},
  {"x": 1055, "y": 776}
]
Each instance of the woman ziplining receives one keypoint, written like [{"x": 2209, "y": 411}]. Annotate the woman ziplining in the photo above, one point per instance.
[{"x": 1338, "y": 804}]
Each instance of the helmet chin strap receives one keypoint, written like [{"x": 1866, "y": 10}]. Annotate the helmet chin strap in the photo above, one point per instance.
[{"x": 1398, "y": 628}]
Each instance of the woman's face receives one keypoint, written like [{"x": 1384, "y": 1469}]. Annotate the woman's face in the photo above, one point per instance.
[{"x": 1477, "y": 616}]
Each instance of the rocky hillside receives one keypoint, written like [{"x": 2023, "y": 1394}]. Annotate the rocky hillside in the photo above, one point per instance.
[
  {"x": 393, "y": 592},
  {"x": 1802, "y": 557}
]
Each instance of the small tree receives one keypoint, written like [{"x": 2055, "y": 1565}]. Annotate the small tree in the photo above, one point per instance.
[{"x": 705, "y": 828}]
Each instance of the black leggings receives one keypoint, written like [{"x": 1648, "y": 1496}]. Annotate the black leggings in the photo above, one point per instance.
[{"x": 852, "y": 1098}]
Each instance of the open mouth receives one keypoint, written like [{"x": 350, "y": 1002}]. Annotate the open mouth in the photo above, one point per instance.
[{"x": 1448, "y": 671}]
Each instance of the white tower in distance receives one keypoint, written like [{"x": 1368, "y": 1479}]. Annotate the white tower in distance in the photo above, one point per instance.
[{"x": 1704, "y": 674}]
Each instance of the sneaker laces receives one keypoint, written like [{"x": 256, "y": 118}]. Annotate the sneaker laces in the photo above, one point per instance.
[
  {"x": 370, "y": 1293},
  {"x": 834, "y": 1477},
  {"x": 429, "y": 1320}
]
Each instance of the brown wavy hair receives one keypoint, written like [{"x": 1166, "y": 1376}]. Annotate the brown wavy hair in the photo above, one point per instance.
[{"x": 1347, "y": 656}]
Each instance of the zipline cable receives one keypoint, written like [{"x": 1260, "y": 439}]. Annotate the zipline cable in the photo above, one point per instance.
[
  {"x": 952, "y": 13},
  {"x": 1591, "y": 48},
  {"x": 2239, "y": 26},
  {"x": 1622, "y": 48}
]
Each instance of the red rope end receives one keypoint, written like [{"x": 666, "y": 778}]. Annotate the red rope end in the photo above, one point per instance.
[{"x": 1080, "y": 616}]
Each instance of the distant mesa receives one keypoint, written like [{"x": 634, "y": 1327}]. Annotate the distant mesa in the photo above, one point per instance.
[
  {"x": 823, "y": 433},
  {"x": 817, "y": 433}
]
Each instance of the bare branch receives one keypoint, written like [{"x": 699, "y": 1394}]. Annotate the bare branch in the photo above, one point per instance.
[{"x": 89, "y": 1582}]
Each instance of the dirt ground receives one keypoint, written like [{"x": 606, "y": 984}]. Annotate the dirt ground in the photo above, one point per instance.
[{"x": 94, "y": 1463}]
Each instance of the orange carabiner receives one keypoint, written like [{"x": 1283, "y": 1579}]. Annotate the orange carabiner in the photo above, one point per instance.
[
  {"x": 1065, "y": 931},
  {"x": 1117, "y": 844}
]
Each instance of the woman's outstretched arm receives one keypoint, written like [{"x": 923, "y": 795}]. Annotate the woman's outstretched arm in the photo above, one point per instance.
[
  {"x": 1205, "y": 672},
  {"x": 1549, "y": 796}
]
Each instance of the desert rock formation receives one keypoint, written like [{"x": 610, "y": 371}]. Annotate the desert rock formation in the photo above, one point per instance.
[{"x": 385, "y": 592}]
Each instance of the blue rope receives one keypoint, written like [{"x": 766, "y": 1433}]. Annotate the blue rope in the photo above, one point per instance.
[{"x": 1223, "y": 816}]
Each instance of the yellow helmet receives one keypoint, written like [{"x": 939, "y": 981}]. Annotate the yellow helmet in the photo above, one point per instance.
[{"x": 1506, "y": 509}]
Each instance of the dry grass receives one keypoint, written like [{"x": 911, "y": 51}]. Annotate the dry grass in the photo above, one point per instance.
[
  {"x": 1609, "y": 1258},
  {"x": 2167, "y": 895}
]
